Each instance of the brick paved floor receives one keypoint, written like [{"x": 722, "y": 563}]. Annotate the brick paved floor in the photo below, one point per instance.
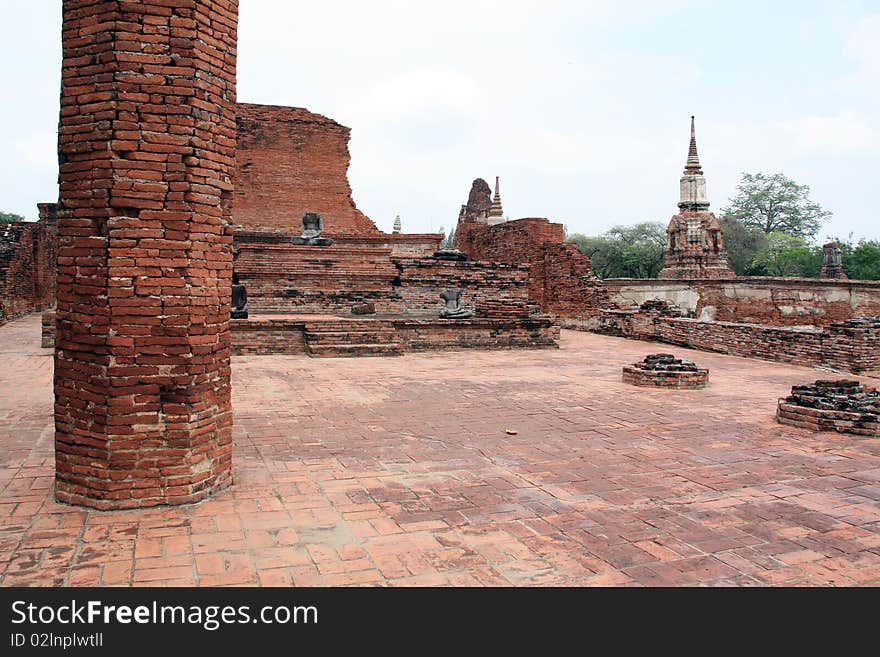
[{"x": 398, "y": 471}]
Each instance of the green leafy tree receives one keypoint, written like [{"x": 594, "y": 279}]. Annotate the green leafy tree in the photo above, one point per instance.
[
  {"x": 605, "y": 254},
  {"x": 776, "y": 204},
  {"x": 786, "y": 255},
  {"x": 864, "y": 262},
  {"x": 743, "y": 244},
  {"x": 9, "y": 217},
  {"x": 625, "y": 251}
]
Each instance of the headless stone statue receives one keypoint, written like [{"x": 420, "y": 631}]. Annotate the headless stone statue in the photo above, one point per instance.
[
  {"x": 313, "y": 226},
  {"x": 450, "y": 254},
  {"x": 453, "y": 309},
  {"x": 239, "y": 299}
]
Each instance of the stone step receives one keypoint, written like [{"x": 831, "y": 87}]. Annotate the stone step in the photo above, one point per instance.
[
  {"x": 351, "y": 337},
  {"x": 354, "y": 350},
  {"x": 348, "y": 326}
]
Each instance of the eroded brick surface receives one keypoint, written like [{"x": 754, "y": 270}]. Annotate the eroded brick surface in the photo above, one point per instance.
[
  {"x": 756, "y": 300},
  {"x": 289, "y": 162},
  {"x": 147, "y": 156},
  {"x": 27, "y": 263},
  {"x": 400, "y": 472},
  {"x": 560, "y": 276}
]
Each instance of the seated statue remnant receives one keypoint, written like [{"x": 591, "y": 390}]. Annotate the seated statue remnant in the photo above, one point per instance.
[
  {"x": 453, "y": 309},
  {"x": 450, "y": 254},
  {"x": 239, "y": 299},
  {"x": 313, "y": 226}
]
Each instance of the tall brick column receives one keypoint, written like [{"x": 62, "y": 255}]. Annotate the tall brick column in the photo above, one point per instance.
[{"x": 147, "y": 153}]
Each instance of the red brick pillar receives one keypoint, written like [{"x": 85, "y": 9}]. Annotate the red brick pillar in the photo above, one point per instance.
[{"x": 147, "y": 152}]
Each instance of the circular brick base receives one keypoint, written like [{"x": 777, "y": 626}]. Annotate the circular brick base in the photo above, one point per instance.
[
  {"x": 665, "y": 379},
  {"x": 821, "y": 420}
]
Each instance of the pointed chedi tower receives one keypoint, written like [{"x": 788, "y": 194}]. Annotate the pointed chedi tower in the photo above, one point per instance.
[
  {"x": 397, "y": 225},
  {"x": 496, "y": 212},
  {"x": 695, "y": 242}
]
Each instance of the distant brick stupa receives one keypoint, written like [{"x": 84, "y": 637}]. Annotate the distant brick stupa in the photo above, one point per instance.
[{"x": 695, "y": 242}]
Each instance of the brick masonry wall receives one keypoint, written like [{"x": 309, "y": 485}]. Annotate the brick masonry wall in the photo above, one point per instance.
[
  {"x": 282, "y": 278},
  {"x": 147, "y": 156},
  {"x": 27, "y": 263},
  {"x": 265, "y": 336},
  {"x": 47, "y": 329},
  {"x": 560, "y": 275},
  {"x": 749, "y": 340},
  {"x": 517, "y": 242},
  {"x": 839, "y": 346},
  {"x": 757, "y": 300},
  {"x": 46, "y": 256},
  {"x": 537, "y": 332},
  {"x": 490, "y": 289},
  {"x": 268, "y": 336},
  {"x": 289, "y": 162},
  {"x": 569, "y": 287}
]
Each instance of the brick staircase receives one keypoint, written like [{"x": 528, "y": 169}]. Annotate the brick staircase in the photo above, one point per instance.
[{"x": 346, "y": 338}]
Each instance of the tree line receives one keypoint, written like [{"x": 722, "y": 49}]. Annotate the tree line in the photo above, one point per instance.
[{"x": 770, "y": 227}]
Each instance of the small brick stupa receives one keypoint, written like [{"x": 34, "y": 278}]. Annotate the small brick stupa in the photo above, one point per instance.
[
  {"x": 666, "y": 371},
  {"x": 842, "y": 406},
  {"x": 695, "y": 242}
]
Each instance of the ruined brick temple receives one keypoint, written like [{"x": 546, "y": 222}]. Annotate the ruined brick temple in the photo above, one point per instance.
[
  {"x": 169, "y": 188},
  {"x": 361, "y": 292}
]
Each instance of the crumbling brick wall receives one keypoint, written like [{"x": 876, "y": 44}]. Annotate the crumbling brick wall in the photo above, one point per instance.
[
  {"x": 570, "y": 290},
  {"x": 290, "y": 161},
  {"x": 146, "y": 156},
  {"x": 756, "y": 300},
  {"x": 27, "y": 265},
  {"x": 560, "y": 275},
  {"x": 851, "y": 346},
  {"x": 46, "y": 256},
  {"x": 16, "y": 270},
  {"x": 491, "y": 289},
  {"x": 284, "y": 278}
]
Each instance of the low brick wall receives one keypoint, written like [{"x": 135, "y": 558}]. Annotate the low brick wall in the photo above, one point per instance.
[
  {"x": 267, "y": 336},
  {"x": 491, "y": 289},
  {"x": 284, "y": 278},
  {"x": 755, "y": 300},
  {"x": 799, "y": 347},
  {"x": 537, "y": 332},
  {"x": 851, "y": 346}
]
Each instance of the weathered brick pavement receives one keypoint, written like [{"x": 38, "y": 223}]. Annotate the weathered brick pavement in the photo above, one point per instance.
[{"x": 399, "y": 472}]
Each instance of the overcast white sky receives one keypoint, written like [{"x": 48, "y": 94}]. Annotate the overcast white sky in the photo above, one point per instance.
[{"x": 581, "y": 107}]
